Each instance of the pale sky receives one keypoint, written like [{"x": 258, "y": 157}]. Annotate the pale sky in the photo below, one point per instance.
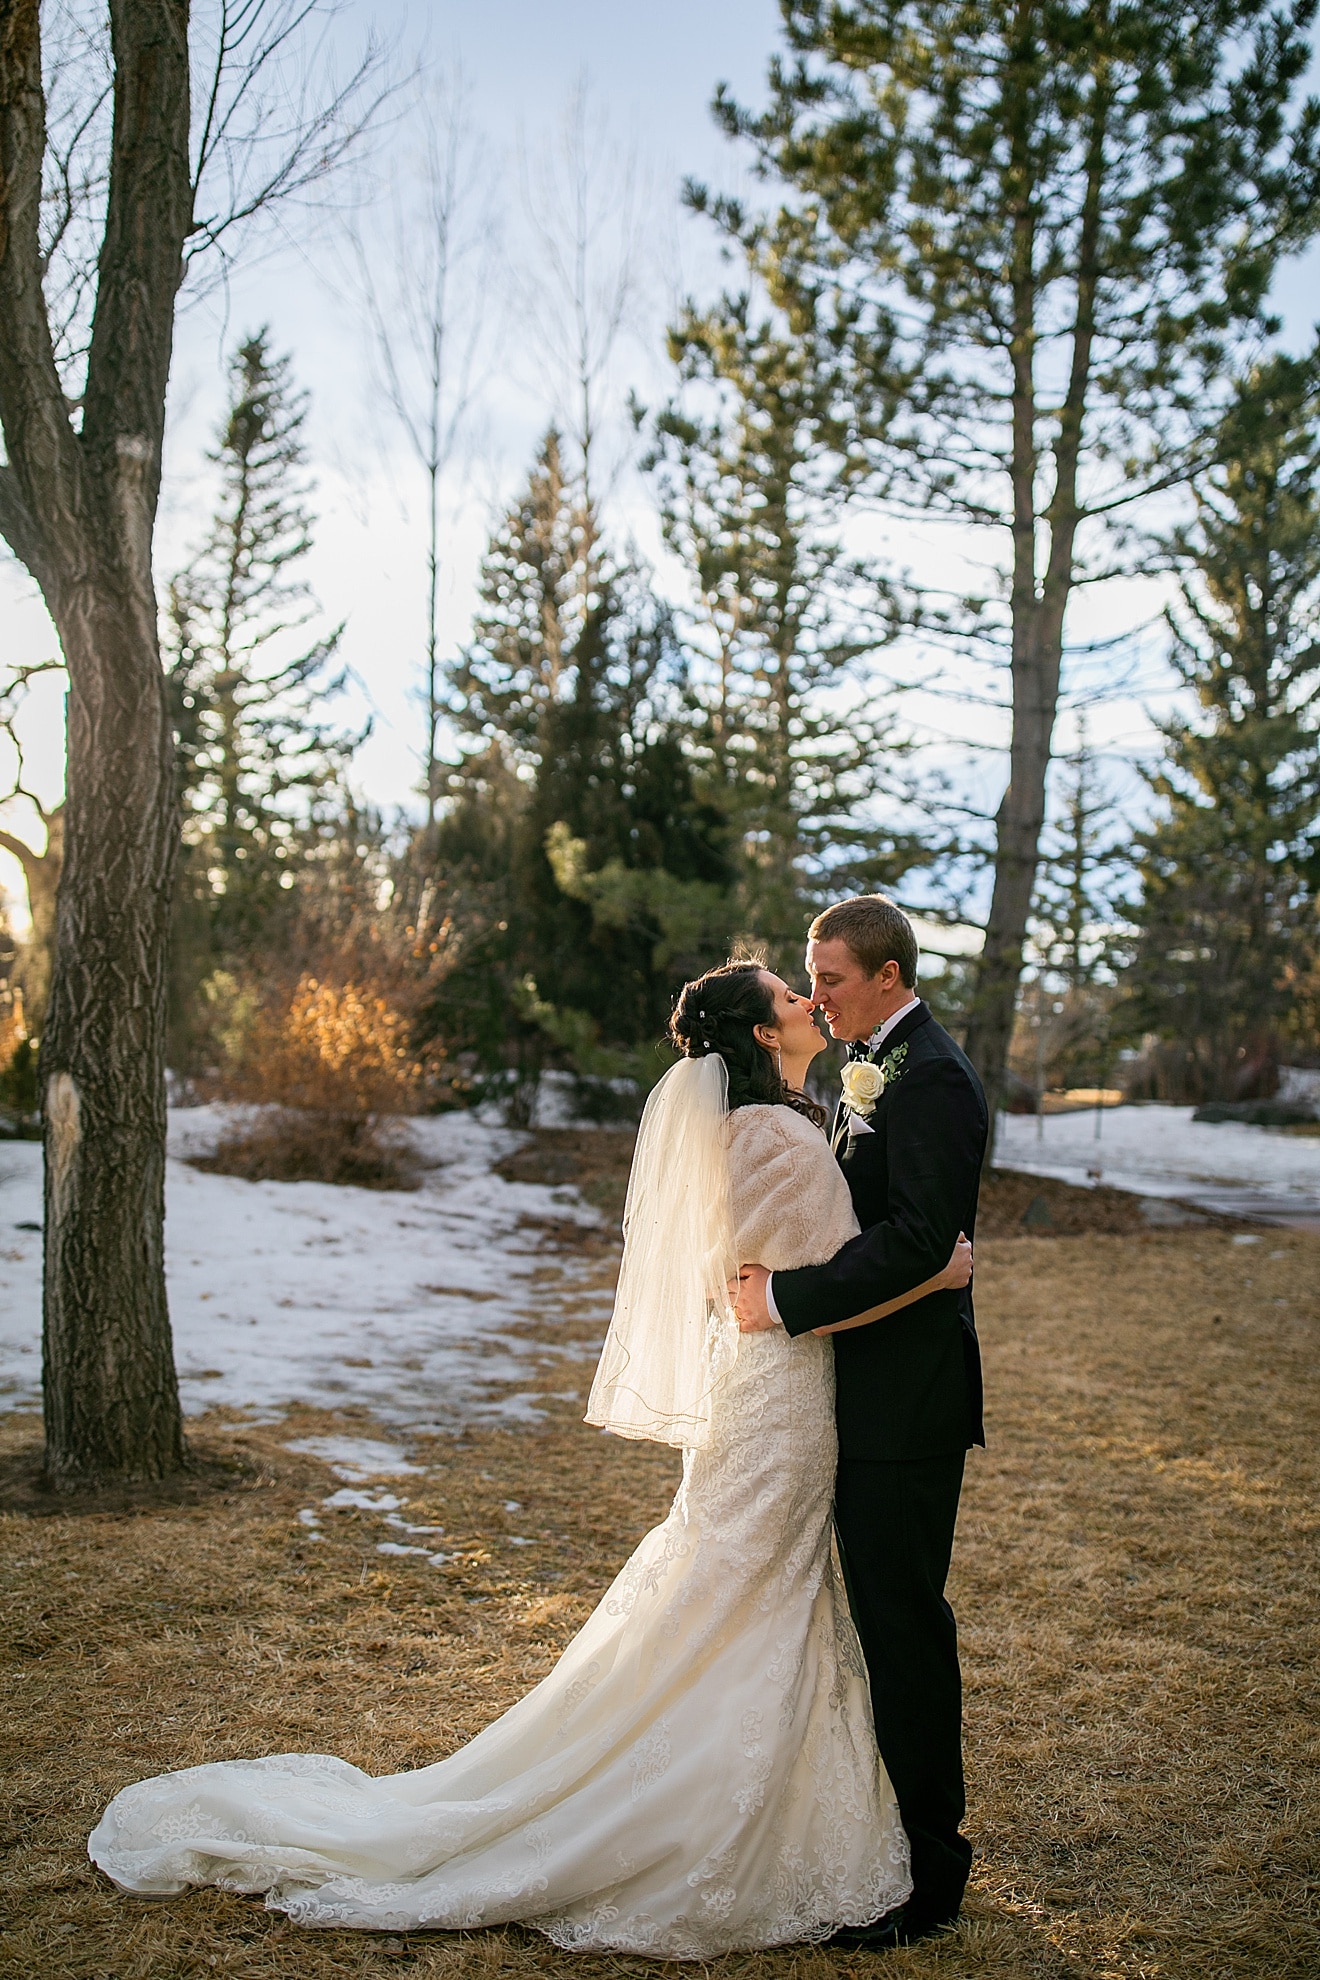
[{"x": 649, "y": 73}]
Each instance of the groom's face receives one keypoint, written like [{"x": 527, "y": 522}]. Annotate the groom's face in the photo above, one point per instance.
[{"x": 851, "y": 1002}]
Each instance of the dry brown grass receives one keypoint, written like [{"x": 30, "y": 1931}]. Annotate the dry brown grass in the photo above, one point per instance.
[
  {"x": 299, "y": 1145},
  {"x": 1135, "y": 1576},
  {"x": 597, "y": 1163}
]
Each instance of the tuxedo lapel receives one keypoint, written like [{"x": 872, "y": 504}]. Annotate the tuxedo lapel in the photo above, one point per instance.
[
  {"x": 900, "y": 1034},
  {"x": 902, "y": 1031}
]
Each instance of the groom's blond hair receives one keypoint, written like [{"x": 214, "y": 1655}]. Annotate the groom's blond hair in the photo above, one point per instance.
[{"x": 875, "y": 929}]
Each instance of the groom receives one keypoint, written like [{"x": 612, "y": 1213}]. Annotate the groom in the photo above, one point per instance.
[{"x": 910, "y": 1136}]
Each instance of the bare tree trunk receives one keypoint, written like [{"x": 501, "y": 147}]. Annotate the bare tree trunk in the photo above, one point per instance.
[
  {"x": 78, "y": 494},
  {"x": 1035, "y": 682},
  {"x": 111, "y": 1396},
  {"x": 78, "y": 506},
  {"x": 1038, "y": 619},
  {"x": 1018, "y": 826}
]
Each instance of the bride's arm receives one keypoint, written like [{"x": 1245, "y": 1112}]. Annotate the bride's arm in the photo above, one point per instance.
[{"x": 955, "y": 1275}]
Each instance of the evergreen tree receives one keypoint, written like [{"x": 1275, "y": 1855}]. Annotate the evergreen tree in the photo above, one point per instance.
[
  {"x": 1031, "y": 236},
  {"x": 1073, "y": 925},
  {"x": 256, "y": 763},
  {"x": 572, "y": 814},
  {"x": 1230, "y": 871},
  {"x": 459, "y": 883},
  {"x": 790, "y": 747},
  {"x": 1074, "y": 947}
]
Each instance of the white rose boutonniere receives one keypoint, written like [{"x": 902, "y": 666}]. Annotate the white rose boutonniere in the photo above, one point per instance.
[{"x": 863, "y": 1083}]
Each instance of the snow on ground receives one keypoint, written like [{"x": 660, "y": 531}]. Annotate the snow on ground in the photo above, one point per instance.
[
  {"x": 409, "y": 1302},
  {"x": 366, "y": 1458},
  {"x": 1162, "y": 1151},
  {"x": 358, "y": 1458},
  {"x": 415, "y": 1303}
]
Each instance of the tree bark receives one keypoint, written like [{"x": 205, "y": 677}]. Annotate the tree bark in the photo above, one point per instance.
[
  {"x": 1019, "y": 822},
  {"x": 111, "y": 1395},
  {"x": 78, "y": 506},
  {"x": 41, "y": 876},
  {"x": 1021, "y": 815},
  {"x": 1038, "y": 612}
]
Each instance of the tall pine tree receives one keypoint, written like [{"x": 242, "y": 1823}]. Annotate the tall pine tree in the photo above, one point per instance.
[
  {"x": 792, "y": 748},
  {"x": 257, "y": 762},
  {"x": 1228, "y": 936},
  {"x": 572, "y": 813},
  {"x": 1031, "y": 235}
]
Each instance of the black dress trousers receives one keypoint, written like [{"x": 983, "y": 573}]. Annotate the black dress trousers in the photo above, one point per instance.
[{"x": 895, "y": 1521}]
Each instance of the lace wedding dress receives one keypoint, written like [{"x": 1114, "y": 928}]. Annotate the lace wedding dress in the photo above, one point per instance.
[{"x": 697, "y": 1774}]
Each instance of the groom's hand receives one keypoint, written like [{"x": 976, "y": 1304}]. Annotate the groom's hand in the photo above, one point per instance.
[{"x": 750, "y": 1306}]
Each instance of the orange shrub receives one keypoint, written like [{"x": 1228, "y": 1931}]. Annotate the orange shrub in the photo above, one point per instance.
[{"x": 340, "y": 1048}]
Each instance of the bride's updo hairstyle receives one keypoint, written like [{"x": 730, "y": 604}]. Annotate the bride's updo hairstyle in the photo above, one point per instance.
[{"x": 718, "y": 1013}]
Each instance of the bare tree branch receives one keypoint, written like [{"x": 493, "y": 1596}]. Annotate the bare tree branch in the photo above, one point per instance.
[
  {"x": 141, "y": 260},
  {"x": 274, "y": 123},
  {"x": 584, "y": 204},
  {"x": 424, "y": 293},
  {"x": 43, "y": 475}
]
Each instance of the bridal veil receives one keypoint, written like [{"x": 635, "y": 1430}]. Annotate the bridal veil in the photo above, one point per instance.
[{"x": 673, "y": 1334}]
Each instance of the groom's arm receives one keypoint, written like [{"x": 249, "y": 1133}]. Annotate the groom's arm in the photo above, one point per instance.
[{"x": 935, "y": 1133}]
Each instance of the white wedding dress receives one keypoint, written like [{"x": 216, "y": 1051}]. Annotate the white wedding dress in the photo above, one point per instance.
[{"x": 697, "y": 1774}]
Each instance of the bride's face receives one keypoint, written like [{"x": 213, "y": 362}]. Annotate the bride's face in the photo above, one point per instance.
[{"x": 796, "y": 1032}]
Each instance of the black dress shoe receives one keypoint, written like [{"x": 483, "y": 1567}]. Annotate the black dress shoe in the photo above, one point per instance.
[
  {"x": 897, "y": 1928},
  {"x": 879, "y": 1936}
]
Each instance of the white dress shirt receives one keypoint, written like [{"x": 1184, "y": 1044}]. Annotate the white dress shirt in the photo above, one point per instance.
[{"x": 877, "y": 1039}]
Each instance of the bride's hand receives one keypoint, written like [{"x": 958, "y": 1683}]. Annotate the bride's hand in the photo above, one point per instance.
[
  {"x": 750, "y": 1305},
  {"x": 959, "y": 1268}
]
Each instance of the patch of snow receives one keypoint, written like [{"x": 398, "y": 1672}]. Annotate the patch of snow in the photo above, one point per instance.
[
  {"x": 358, "y": 1458},
  {"x": 395, "y": 1547},
  {"x": 346, "y": 1498},
  {"x": 280, "y": 1293},
  {"x": 1161, "y": 1151}
]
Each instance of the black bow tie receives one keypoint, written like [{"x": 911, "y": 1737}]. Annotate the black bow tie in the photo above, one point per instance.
[{"x": 860, "y": 1048}]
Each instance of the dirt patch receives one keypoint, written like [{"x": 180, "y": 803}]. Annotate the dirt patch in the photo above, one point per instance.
[
  {"x": 24, "y": 1488},
  {"x": 1014, "y": 1205},
  {"x": 596, "y": 1162},
  {"x": 1136, "y": 1580}
]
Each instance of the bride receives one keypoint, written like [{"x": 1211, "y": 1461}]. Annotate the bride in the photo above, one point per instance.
[{"x": 699, "y": 1772}]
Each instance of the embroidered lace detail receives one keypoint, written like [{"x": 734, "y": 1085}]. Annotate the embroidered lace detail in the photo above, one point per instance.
[
  {"x": 650, "y": 1759},
  {"x": 575, "y": 1692}
]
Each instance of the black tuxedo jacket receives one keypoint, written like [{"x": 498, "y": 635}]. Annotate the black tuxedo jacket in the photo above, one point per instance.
[{"x": 908, "y": 1386}]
